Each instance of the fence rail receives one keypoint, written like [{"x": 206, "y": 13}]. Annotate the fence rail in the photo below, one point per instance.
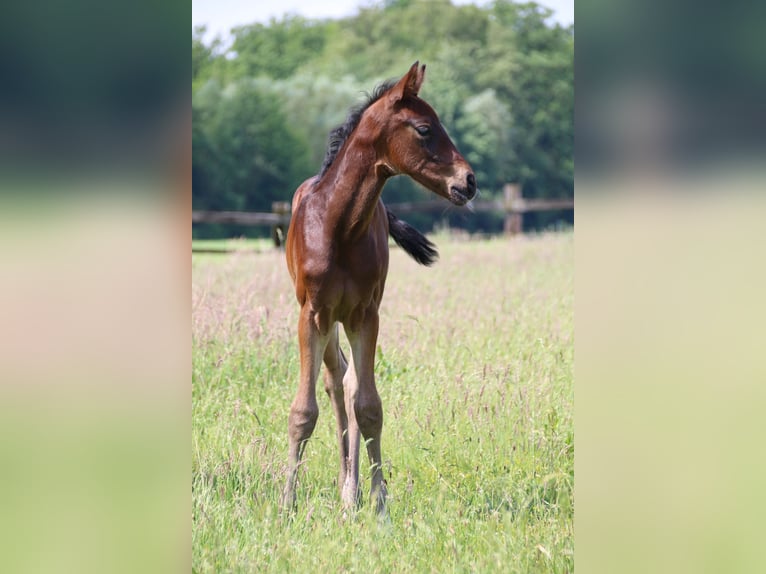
[{"x": 513, "y": 205}]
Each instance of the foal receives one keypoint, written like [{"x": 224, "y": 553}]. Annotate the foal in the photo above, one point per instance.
[{"x": 337, "y": 255}]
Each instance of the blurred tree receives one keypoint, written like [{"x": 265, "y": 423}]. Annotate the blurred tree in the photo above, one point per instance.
[
  {"x": 314, "y": 105},
  {"x": 245, "y": 155},
  {"x": 201, "y": 54},
  {"x": 207, "y": 58},
  {"x": 532, "y": 68},
  {"x": 277, "y": 50},
  {"x": 484, "y": 128}
]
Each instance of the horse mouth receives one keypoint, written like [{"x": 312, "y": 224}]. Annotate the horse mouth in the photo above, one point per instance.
[{"x": 458, "y": 196}]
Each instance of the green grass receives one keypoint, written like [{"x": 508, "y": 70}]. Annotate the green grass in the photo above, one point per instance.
[
  {"x": 475, "y": 370},
  {"x": 238, "y": 244}
]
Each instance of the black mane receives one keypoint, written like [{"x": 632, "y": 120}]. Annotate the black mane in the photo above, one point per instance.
[{"x": 339, "y": 135}]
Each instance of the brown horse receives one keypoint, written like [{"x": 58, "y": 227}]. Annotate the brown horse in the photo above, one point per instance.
[{"x": 337, "y": 254}]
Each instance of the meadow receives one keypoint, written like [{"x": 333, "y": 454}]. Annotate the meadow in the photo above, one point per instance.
[{"x": 475, "y": 370}]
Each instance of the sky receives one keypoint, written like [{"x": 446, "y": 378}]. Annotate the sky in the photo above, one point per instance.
[{"x": 221, "y": 15}]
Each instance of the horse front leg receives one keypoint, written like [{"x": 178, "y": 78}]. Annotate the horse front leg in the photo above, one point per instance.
[
  {"x": 365, "y": 412},
  {"x": 350, "y": 490},
  {"x": 304, "y": 410},
  {"x": 336, "y": 367}
]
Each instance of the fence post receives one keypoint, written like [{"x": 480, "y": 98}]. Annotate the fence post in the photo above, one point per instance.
[
  {"x": 281, "y": 208},
  {"x": 512, "y": 224}
]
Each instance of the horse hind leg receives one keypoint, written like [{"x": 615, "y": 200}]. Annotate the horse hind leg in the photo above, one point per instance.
[
  {"x": 336, "y": 366},
  {"x": 304, "y": 410}
]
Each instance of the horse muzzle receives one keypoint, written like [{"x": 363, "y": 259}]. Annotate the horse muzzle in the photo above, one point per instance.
[{"x": 462, "y": 194}]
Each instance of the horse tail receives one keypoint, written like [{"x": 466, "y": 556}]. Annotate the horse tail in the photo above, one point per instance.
[{"x": 411, "y": 240}]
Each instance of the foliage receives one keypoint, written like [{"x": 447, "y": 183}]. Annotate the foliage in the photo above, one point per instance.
[
  {"x": 330, "y": 102},
  {"x": 541, "y": 97},
  {"x": 501, "y": 78},
  {"x": 278, "y": 49},
  {"x": 244, "y": 152},
  {"x": 477, "y": 444}
]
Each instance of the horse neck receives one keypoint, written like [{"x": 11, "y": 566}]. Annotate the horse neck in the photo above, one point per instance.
[{"x": 355, "y": 182}]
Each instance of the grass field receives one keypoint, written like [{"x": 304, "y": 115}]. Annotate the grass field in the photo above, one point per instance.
[
  {"x": 475, "y": 371},
  {"x": 258, "y": 245}
]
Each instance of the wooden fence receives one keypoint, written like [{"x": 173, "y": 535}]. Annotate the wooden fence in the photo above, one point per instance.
[
  {"x": 513, "y": 205},
  {"x": 278, "y": 219}
]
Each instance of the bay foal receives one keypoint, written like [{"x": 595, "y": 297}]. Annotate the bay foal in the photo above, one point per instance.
[{"x": 337, "y": 255}]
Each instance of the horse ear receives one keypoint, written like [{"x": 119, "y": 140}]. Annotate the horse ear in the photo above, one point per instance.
[{"x": 409, "y": 85}]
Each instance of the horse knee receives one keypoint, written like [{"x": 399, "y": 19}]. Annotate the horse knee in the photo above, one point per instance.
[
  {"x": 369, "y": 416},
  {"x": 302, "y": 421}
]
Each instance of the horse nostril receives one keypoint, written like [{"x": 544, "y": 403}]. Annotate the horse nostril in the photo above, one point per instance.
[{"x": 471, "y": 180}]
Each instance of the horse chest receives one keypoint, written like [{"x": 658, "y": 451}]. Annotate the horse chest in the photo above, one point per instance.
[{"x": 345, "y": 289}]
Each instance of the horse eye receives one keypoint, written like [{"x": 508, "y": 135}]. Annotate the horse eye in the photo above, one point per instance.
[{"x": 423, "y": 130}]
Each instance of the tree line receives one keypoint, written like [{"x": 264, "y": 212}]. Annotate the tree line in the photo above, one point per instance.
[{"x": 501, "y": 78}]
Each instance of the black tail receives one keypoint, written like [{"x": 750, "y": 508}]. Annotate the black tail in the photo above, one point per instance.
[{"x": 411, "y": 240}]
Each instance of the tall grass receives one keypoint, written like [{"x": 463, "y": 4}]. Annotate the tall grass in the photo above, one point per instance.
[{"x": 474, "y": 368}]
